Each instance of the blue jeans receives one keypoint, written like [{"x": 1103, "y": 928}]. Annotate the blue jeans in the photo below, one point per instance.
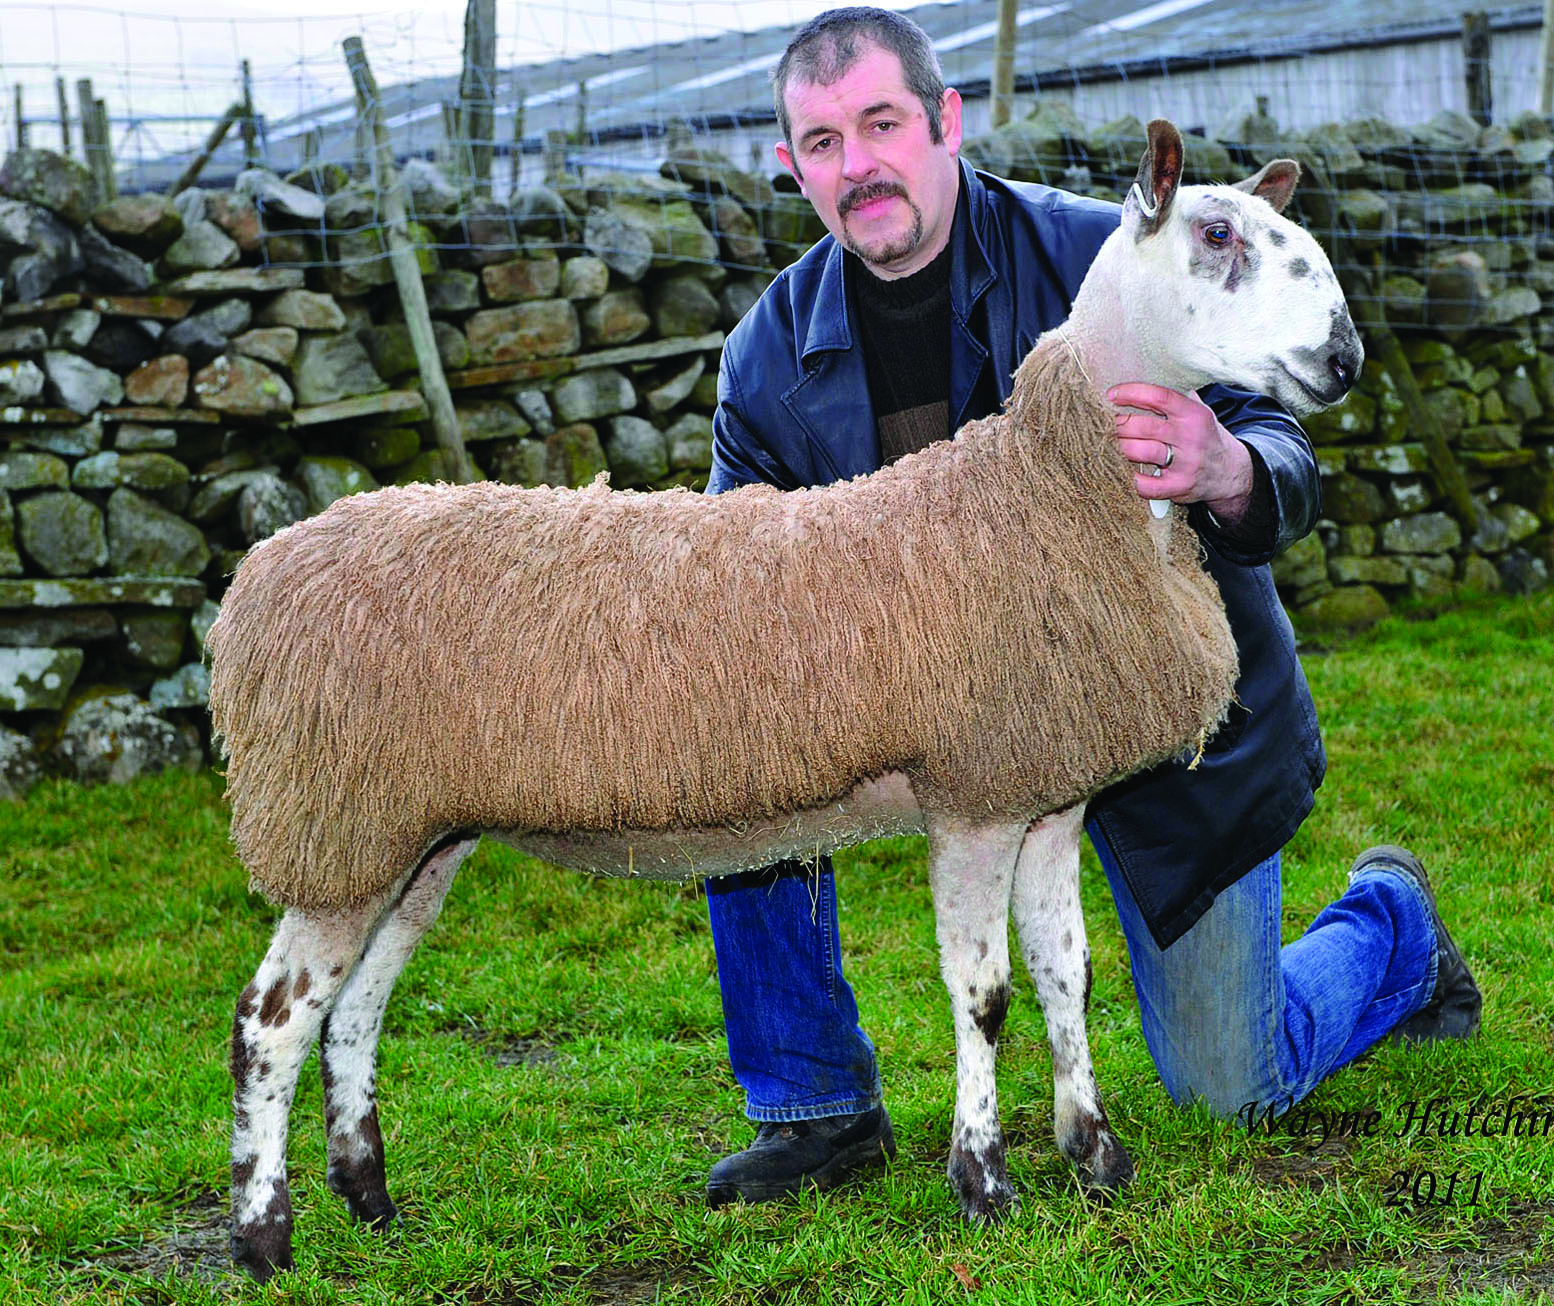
[{"x": 1229, "y": 1015}]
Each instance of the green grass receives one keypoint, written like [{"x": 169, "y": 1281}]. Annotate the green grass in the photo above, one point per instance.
[{"x": 554, "y": 1085}]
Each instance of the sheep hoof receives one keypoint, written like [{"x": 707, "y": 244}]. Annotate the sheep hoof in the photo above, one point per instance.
[
  {"x": 982, "y": 1182},
  {"x": 377, "y": 1211},
  {"x": 1107, "y": 1170},
  {"x": 262, "y": 1252}
]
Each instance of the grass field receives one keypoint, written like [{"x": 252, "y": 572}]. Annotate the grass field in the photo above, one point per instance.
[{"x": 554, "y": 1087}]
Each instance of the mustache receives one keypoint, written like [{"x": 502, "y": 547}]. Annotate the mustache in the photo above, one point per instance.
[{"x": 870, "y": 190}]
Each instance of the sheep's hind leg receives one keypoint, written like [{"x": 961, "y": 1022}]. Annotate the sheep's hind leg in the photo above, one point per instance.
[
  {"x": 972, "y": 871},
  {"x": 278, "y": 1016},
  {"x": 1052, "y": 935},
  {"x": 349, "y": 1043}
]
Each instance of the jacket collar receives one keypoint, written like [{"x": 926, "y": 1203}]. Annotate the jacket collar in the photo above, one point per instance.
[{"x": 830, "y": 327}]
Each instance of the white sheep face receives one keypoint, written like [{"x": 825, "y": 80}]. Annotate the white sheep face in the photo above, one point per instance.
[{"x": 1229, "y": 290}]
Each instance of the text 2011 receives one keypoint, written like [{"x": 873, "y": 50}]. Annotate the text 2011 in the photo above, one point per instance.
[{"x": 1426, "y": 1188}]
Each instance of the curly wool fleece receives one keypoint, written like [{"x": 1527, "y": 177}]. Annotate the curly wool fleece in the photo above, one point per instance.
[{"x": 989, "y": 616}]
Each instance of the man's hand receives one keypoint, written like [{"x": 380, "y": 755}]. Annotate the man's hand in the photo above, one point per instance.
[{"x": 1187, "y": 456}]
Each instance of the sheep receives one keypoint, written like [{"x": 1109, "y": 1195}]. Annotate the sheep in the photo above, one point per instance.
[{"x": 418, "y": 666}]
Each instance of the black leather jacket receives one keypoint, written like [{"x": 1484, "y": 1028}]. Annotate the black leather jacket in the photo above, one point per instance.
[{"x": 794, "y": 411}]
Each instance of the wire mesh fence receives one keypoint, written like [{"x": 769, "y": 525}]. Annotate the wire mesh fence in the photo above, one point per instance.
[{"x": 1415, "y": 124}]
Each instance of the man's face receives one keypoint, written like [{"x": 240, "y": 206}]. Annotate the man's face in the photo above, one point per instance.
[{"x": 863, "y": 157}]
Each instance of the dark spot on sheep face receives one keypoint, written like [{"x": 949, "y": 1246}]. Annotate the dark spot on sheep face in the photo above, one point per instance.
[
  {"x": 304, "y": 982},
  {"x": 1068, "y": 940},
  {"x": 1089, "y": 976},
  {"x": 1276, "y": 238},
  {"x": 336, "y": 970},
  {"x": 1299, "y": 269},
  {"x": 1232, "y": 264},
  {"x": 991, "y": 1013}
]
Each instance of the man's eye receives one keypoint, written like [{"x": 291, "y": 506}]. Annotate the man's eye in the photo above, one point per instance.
[
  {"x": 820, "y": 146},
  {"x": 1218, "y": 235},
  {"x": 884, "y": 126}
]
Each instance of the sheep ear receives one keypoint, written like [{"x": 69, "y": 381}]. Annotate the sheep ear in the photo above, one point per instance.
[
  {"x": 1160, "y": 172},
  {"x": 1275, "y": 183}
]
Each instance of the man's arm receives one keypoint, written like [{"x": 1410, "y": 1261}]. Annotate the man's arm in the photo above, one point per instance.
[{"x": 739, "y": 457}]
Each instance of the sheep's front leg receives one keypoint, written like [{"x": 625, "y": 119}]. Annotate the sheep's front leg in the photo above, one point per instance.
[
  {"x": 348, "y": 1046},
  {"x": 1052, "y": 936},
  {"x": 972, "y": 872},
  {"x": 278, "y": 1016}
]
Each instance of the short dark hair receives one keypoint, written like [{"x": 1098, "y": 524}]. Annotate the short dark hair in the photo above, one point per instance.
[{"x": 831, "y": 43}]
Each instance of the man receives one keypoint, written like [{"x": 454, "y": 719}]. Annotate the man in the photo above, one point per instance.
[{"x": 934, "y": 282}]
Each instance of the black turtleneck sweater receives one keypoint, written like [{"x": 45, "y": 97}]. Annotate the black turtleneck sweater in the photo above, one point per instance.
[{"x": 905, "y": 330}]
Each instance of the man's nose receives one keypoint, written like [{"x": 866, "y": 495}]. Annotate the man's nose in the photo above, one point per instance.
[{"x": 858, "y": 160}]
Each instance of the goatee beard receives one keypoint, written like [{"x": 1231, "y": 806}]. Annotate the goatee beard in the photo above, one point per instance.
[{"x": 894, "y": 250}]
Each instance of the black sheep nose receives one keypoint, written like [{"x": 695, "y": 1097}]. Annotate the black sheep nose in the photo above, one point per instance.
[
  {"x": 1341, "y": 373},
  {"x": 1345, "y": 353}
]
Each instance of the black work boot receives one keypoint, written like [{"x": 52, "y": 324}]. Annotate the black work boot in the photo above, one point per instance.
[
  {"x": 1454, "y": 1007},
  {"x": 791, "y": 1155}
]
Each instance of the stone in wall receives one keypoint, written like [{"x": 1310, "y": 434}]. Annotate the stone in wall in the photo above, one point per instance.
[
  {"x": 37, "y": 679},
  {"x": 78, "y": 384},
  {"x": 615, "y": 318},
  {"x": 50, "y": 180},
  {"x": 242, "y": 387},
  {"x": 327, "y": 368},
  {"x": 267, "y": 504},
  {"x": 61, "y": 534},
  {"x": 325, "y": 479},
  {"x": 115, "y": 738},
  {"x": 635, "y": 452},
  {"x": 145, "y": 539},
  {"x": 573, "y": 455},
  {"x": 306, "y": 310},
  {"x": 601, "y": 392},
  {"x": 545, "y": 328}
]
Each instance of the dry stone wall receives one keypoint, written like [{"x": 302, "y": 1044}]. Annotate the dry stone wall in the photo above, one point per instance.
[{"x": 181, "y": 378}]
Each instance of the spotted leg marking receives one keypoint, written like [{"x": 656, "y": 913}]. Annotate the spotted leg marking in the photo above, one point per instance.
[
  {"x": 278, "y": 1016},
  {"x": 971, "y": 872},
  {"x": 1052, "y": 936},
  {"x": 349, "y": 1043}
]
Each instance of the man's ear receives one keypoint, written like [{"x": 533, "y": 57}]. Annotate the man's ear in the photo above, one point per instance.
[
  {"x": 950, "y": 125},
  {"x": 785, "y": 157}
]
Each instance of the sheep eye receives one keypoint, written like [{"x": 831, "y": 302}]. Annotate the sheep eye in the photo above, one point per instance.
[{"x": 1218, "y": 235}]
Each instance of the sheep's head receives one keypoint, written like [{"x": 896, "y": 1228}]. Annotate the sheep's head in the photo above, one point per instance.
[{"x": 1228, "y": 289}]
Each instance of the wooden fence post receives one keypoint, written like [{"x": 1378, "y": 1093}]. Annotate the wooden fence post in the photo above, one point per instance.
[
  {"x": 407, "y": 273},
  {"x": 21, "y": 120},
  {"x": 1002, "y": 107},
  {"x": 190, "y": 174},
  {"x": 248, "y": 126},
  {"x": 107, "y": 181},
  {"x": 1475, "y": 66},
  {"x": 477, "y": 90},
  {"x": 64, "y": 116}
]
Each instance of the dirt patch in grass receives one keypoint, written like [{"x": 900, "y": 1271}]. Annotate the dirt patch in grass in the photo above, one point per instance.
[
  {"x": 533, "y": 1049},
  {"x": 198, "y": 1246},
  {"x": 626, "y": 1283},
  {"x": 1492, "y": 1254},
  {"x": 1310, "y": 1168}
]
